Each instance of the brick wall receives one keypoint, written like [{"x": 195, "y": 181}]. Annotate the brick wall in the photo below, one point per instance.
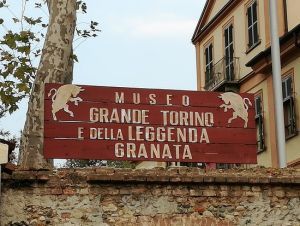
[{"x": 178, "y": 196}]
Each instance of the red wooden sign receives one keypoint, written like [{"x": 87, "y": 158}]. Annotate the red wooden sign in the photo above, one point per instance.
[{"x": 109, "y": 123}]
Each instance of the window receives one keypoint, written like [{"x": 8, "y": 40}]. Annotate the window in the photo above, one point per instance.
[
  {"x": 252, "y": 25},
  {"x": 208, "y": 63},
  {"x": 229, "y": 64},
  {"x": 289, "y": 107},
  {"x": 259, "y": 123}
]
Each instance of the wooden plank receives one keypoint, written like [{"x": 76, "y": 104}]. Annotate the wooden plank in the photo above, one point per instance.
[
  {"x": 82, "y": 113},
  {"x": 107, "y": 95},
  {"x": 93, "y": 149},
  {"x": 109, "y": 131}
]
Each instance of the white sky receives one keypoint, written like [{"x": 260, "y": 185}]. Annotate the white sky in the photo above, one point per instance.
[{"x": 142, "y": 44}]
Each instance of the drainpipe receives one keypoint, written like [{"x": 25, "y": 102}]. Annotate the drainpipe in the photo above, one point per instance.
[
  {"x": 277, "y": 84},
  {"x": 286, "y": 28},
  {"x": 297, "y": 44}
]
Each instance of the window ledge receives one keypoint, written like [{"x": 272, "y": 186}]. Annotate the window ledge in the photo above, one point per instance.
[
  {"x": 253, "y": 47},
  {"x": 261, "y": 151},
  {"x": 291, "y": 136}
]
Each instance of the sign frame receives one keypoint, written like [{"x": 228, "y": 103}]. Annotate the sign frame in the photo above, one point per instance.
[{"x": 135, "y": 124}]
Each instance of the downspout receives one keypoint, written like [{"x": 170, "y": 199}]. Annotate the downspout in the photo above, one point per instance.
[
  {"x": 297, "y": 43},
  {"x": 285, "y": 17}
]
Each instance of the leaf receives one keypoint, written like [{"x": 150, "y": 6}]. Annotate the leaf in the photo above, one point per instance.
[
  {"x": 16, "y": 20},
  {"x": 32, "y": 21},
  {"x": 9, "y": 40},
  {"x": 24, "y": 49},
  {"x": 23, "y": 87},
  {"x": 78, "y": 3},
  {"x": 84, "y": 8},
  {"x": 74, "y": 58},
  {"x": 38, "y": 5}
]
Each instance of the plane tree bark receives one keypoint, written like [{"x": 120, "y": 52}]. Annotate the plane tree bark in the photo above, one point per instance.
[{"x": 56, "y": 65}]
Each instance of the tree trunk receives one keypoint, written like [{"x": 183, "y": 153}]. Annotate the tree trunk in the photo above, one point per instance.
[{"x": 56, "y": 66}]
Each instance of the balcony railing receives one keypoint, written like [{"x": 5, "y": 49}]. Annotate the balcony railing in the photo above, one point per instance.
[{"x": 224, "y": 71}]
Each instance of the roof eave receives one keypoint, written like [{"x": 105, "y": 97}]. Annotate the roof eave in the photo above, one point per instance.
[
  {"x": 267, "y": 52},
  {"x": 199, "y": 31}
]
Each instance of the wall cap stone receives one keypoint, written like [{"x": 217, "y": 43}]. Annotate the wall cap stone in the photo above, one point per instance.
[{"x": 159, "y": 175}]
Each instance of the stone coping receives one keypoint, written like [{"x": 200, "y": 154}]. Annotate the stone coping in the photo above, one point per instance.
[{"x": 159, "y": 175}]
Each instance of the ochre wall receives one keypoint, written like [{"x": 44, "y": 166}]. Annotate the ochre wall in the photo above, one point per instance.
[
  {"x": 261, "y": 87},
  {"x": 178, "y": 196},
  {"x": 293, "y": 13},
  {"x": 262, "y": 81},
  {"x": 218, "y": 5},
  {"x": 238, "y": 16},
  {"x": 292, "y": 144}
]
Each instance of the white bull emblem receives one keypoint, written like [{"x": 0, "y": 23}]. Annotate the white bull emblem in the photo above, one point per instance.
[
  {"x": 237, "y": 104},
  {"x": 63, "y": 95}
]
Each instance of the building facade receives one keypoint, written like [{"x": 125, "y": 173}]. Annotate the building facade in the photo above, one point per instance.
[{"x": 232, "y": 41}]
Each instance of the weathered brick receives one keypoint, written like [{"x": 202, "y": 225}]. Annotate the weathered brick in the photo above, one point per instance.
[
  {"x": 175, "y": 179},
  {"x": 264, "y": 180},
  {"x": 65, "y": 215},
  {"x": 220, "y": 179},
  {"x": 279, "y": 193},
  {"x": 56, "y": 191},
  {"x": 292, "y": 193},
  {"x": 254, "y": 180},
  {"x": 43, "y": 176},
  {"x": 209, "y": 193},
  {"x": 124, "y": 191},
  {"x": 180, "y": 192},
  {"x": 197, "y": 192},
  {"x": 198, "y": 178},
  {"x": 224, "y": 188},
  {"x": 246, "y": 188},
  {"x": 256, "y": 188},
  {"x": 98, "y": 177},
  {"x": 69, "y": 191},
  {"x": 24, "y": 175},
  {"x": 105, "y": 171},
  {"x": 231, "y": 179},
  {"x": 224, "y": 193},
  {"x": 208, "y": 179}
]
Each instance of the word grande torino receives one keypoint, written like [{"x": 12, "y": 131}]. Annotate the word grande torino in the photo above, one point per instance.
[{"x": 136, "y": 116}]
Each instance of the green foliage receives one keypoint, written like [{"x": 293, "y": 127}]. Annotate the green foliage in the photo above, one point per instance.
[
  {"x": 20, "y": 48},
  {"x": 16, "y": 72},
  {"x": 72, "y": 163},
  {"x": 120, "y": 164}
]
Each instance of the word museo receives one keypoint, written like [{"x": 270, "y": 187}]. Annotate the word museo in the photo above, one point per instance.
[{"x": 139, "y": 138}]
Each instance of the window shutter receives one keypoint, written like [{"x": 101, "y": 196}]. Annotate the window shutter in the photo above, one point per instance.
[
  {"x": 254, "y": 11},
  {"x": 289, "y": 88},
  {"x": 258, "y": 106},
  {"x": 293, "y": 116},
  {"x": 261, "y": 133},
  {"x": 283, "y": 90},
  {"x": 249, "y": 15}
]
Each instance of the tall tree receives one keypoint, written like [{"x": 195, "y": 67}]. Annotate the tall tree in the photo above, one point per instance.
[
  {"x": 56, "y": 65},
  {"x": 18, "y": 73}
]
